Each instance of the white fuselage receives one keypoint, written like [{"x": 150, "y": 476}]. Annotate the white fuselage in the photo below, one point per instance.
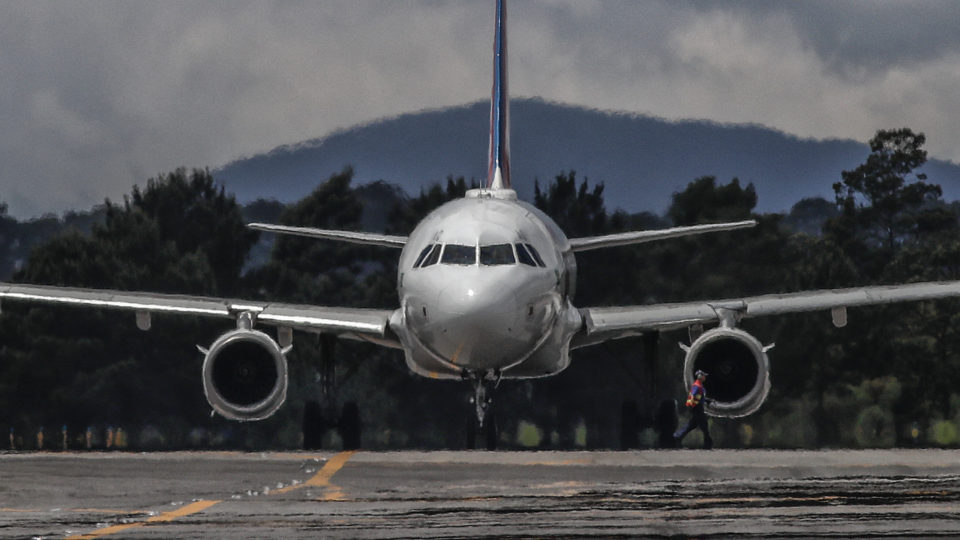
[{"x": 485, "y": 284}]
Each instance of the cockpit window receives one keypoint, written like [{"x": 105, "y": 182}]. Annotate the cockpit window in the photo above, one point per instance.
[
  {"x": 496, "y": 254},
  {"x": 457, "y": 254},
  {"x": 534, "y": 254},
  {"x": 432, "y": 257},
  {"x": 524, "y": 256},
  {"x": 423, "y": 255}
]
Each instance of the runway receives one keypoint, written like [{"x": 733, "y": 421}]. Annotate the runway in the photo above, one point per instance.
[{"x": 683, "y": 493}]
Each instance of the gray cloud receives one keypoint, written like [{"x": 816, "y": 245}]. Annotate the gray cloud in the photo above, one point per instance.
[{"x": 99, "y": 95}]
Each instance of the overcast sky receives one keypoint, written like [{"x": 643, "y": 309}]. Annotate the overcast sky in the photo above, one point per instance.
[{"x": 99, "y": 95}]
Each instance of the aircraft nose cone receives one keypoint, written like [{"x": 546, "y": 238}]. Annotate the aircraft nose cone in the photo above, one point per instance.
[
  {"x": 478, "y": 327},
  {"x": 469, "y": 299}
]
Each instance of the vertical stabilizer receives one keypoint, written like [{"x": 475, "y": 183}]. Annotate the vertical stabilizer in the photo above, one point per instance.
[{"x": 498, "y": 166}]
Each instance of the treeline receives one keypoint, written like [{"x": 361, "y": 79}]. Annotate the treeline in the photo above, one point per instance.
[{"x": 888, "y": 378}]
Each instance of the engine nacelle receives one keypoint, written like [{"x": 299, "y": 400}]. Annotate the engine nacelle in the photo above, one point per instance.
[
  {"x": 245, "y": 375},
  {"x": 738, "y": 371}
]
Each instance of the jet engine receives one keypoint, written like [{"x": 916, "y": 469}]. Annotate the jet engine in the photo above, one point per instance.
[
  {"x": 738, "y": 371},
  {"x": 245, "y": 375}
]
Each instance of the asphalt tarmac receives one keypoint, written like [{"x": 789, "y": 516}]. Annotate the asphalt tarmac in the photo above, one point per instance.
[{"x": 683, "y": 493}]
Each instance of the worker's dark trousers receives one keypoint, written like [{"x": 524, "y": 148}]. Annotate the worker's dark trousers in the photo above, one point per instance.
[{"x": 698, "y": 419}]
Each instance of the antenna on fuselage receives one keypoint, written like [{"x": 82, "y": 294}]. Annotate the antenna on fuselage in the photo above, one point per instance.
[{"x": 498, "y": 166}]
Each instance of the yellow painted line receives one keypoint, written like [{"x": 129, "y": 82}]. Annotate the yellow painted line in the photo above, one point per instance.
[
  {"x": 187, "y": 510},
  {"x": 336, "y": 494},
  {"x": 323, "y": 476}
]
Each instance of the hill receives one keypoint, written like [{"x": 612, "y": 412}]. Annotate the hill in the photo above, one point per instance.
[{"x": 642, "y": 160}]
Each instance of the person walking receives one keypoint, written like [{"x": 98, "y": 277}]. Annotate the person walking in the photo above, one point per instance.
[{"x": 696, "y": 400}]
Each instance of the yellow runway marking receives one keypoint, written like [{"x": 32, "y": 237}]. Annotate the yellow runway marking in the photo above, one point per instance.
[
  {"x": 323, "y": 476},
  {"x": 198, "y": 506},
  {"x": 321, "y": 479}
]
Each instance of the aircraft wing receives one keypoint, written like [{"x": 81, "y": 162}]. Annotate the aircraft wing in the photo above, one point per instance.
[
  {"x": 355, "y": 237},
  {"x": 604, "y": 323},
  {"x": 639, "y": 237},
  {"x": 367, "y": 324}
]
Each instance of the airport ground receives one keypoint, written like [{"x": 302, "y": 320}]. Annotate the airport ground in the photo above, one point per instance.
[{"x": 445, "y": 494}]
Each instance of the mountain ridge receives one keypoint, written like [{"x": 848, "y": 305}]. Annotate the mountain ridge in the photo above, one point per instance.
[{"x": 642, "y": 160}]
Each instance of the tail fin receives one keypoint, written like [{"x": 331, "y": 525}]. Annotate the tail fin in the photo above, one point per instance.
[{"x": 498, "y": 166}]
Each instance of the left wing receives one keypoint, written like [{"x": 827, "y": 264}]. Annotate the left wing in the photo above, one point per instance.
[
  {"x": 367, "y": 324},
  {"x": 604, "y": 323}
]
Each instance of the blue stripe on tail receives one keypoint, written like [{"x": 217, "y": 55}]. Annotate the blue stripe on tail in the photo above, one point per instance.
[{"x": 498, "y": 166}]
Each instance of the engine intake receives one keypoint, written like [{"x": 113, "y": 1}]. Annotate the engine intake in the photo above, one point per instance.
[
  {"x": 738, "y": 371},
  {"x": 245, "y": 375}
]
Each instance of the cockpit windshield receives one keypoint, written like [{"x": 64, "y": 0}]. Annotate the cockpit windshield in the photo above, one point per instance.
[
  {"x": 458, "y": 254},
  {"x": 490, "y": 255},
  {"x": 430, "y": 255},
  {"x": 497, "y": 254},
  {"x": 423, "y": 255},
  {"x": 528, "y": 255}
]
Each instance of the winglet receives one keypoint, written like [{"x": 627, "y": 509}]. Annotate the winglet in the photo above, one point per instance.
[{"x": 498, "y": 165}]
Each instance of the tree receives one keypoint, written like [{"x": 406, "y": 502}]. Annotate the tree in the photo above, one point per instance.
[
  {"x": 578, "y": 211},
  {"x": 705, "y": 202},
  {"x": 883, "y": 200},
  {"x": 182, "y": 233}
]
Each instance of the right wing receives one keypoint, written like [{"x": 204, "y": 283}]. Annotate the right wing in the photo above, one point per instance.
[
  {"x": 364, "y": 324},
  {"x": 639, "y": 237},
  {"x": 355, "y": 237},
  {"x": 605, "y": 323}
]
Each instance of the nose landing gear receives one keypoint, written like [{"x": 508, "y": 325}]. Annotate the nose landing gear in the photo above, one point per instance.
[{"x": 484, "y": 422}]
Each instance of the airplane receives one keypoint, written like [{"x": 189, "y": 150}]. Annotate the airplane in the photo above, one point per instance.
[{"x": 486, "y": 286}]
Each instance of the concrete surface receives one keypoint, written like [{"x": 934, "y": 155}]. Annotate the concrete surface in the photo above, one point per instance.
[{"x": 683, "y": 493}]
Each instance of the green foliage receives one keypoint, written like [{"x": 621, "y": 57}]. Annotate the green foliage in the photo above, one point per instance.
[
  {"x": 883, "y": 203},
  {"x": 528, "y": 434},
  {"x": 944, "y": 433},
  {"x": 874, "y": 428},
  {"x": 865, "y": 385},
  {"x": 705, "y": 202},
  {"x": 578, "y": 211},
  {"x": 786, "y": 423},
  {"x": 89, "y": 368}
]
